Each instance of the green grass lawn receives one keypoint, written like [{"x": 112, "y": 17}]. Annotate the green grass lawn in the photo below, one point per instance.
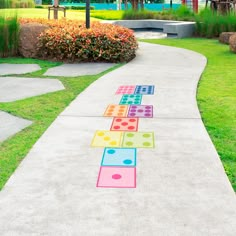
[
  {"x": 107, "y": 14},
  {"x": 216, "y": 96},
  {"x": 42, "y": 110},
  {"x": 43, "y": 13}
]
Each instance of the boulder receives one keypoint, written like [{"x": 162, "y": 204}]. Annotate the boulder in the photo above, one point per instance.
[
  {"x": 232, "y": 43},
  {"x": 224, "y": 37},
  {"x": 28, "y": 38}
]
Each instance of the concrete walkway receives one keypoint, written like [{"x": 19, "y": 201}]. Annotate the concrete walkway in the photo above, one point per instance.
[{"x": 181, "y": 188}]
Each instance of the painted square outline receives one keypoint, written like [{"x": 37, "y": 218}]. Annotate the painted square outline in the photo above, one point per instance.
[
  {"x": 129, "y": 113},
  {"x": 99, "y": 176},
  {"x": 139, "y": 132},
  {"x": 132, "y": 103},
  {"x": 145, "y": 85},
  {"x": 117, "y": 146},
  {"x": 124, "y": 114},
  {"x": 125, "y": 130},
  {"x": 135, "y": 156},
  {"x": 132, "y": 88}
]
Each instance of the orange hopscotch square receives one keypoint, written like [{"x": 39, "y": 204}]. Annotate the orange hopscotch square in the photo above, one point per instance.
[
  {"x": 116, "y": 111},
  {"x": 124, "y": 124}
]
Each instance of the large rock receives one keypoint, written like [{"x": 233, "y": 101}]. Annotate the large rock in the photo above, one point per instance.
[
  {"x": 232, "y": 43},
  {"x": 224, "y": 37},
  {"x": 28, "y": 38}
]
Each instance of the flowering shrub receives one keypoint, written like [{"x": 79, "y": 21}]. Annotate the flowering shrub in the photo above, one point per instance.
[{"x": 68, "y": 40}]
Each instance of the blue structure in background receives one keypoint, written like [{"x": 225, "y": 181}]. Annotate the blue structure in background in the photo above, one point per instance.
[{"x": 113, "y": 6}]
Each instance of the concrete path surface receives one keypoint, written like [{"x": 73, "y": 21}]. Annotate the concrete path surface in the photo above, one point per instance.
[
  {"x": 11, "y": 69},
  {"x": 9, "y": 125},
  {"x": 181, "y": 188},
  {"x": 78, "y": 69},
  {"x": 18, "y": 88}
]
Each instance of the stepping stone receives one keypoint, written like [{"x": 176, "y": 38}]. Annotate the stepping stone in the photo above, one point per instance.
[
  {"x": 11, "y": 69},
  {"x": 72, "y": 70},
  {"x": 10, "y": 125},
  {"x": 17, "y": 88}
]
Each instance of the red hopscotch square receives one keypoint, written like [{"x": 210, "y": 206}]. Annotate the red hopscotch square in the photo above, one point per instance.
[
  {"x": 124, "y": 124},
  {"x": 126, "y": 89},
  {"x": 117, "y": 177}
]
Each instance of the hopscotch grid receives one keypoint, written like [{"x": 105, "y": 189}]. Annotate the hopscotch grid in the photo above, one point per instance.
[{"x": 132, "y": 96}]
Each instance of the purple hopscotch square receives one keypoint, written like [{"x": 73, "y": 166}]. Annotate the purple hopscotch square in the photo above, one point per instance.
[
  {"x": 117, "y": 177},
  {"x": 143, "y": 111}
]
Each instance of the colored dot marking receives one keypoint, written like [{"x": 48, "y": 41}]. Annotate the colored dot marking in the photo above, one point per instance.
[
  {"x": 146, "y": 114},
  {"x": 109, "y": 114},
  {"x": 132, "y": 120},
  {"x": 131, "y": 127},
  {"x": 100, "y": 133},
  {"x": 132, "y": 96},
  {"x": 129, "y": 143},
  {"x": 127, "y": 161},
  {"x": 106, "y": 138},
  {"x": 116, "y": 176},
  {"x": 111, "y": 151},
  {"x": 133, "y": 110},
  {"x": 124, "y": 123},
  {"x": 130, "y": 135},
  {"x": 146, "y": 135},
  {"x": 117, "y": 127},
  {"x": 113, "y": 143},
  {"x": 140, "y": 110},
  {"x": 146, "y": 144}
]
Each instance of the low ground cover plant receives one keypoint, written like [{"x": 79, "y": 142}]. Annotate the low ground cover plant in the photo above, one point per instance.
[{"x": 68, "y": 40}]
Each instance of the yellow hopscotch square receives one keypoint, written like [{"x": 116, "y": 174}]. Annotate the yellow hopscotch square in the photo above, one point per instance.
[
  {"x": 116, "y": 111},
  {"x": 105, "y": 138}
]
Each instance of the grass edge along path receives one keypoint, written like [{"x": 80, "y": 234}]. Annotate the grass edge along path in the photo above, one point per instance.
[
  {"x": 216, "y": 96},
  {"x": 42, "y": 110}
]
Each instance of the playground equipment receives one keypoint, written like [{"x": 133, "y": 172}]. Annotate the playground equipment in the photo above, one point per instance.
[
  {"x": 191, "y": 4},
  {"x": 55, "y": 8},
  {"x": 222, "y": 6}
]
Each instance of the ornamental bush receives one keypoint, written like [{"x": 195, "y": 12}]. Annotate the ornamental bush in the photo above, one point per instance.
[{"x": 68, "y": 40}]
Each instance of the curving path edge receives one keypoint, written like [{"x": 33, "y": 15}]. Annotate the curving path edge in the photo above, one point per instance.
[{"x": 181, "y": 185}]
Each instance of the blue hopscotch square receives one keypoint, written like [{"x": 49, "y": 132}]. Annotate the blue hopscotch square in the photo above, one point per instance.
[
  {"x": 134, "y": 99},
  {"x": 119, "y": 157},
  {"x": 144, "y": 89}
]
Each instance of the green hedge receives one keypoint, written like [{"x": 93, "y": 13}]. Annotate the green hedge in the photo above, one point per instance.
[{"x": 17, "y": 3}]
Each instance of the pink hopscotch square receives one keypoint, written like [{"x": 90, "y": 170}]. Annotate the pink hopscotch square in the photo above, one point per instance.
[
  {"x": 126, "y": 89},
  {"x": 117, "y": 177}
]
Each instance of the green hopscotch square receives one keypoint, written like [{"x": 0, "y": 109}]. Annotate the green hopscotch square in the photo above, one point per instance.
[
  {"x": 106, "y": 138},
  {"x": 138, "y": 140},
  {"x": 133, "y": 99}
]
